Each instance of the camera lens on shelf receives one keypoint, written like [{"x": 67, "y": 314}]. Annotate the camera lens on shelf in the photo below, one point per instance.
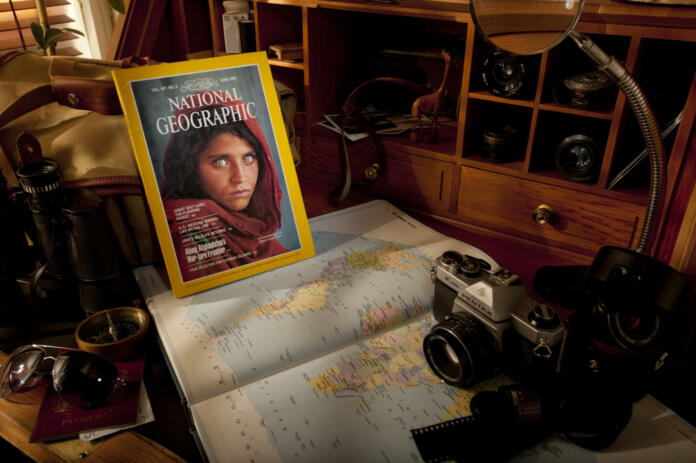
[
  {"x": 577, "y": 157},
  {"x": 504, "y": 74},
  {"x": 499, "y": 144}
]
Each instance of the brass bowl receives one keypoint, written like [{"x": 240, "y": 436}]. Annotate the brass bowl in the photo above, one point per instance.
[{"x": 129, "y": 325}]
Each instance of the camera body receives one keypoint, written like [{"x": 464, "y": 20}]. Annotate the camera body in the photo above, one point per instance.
[{"x": 477, "y": 308}]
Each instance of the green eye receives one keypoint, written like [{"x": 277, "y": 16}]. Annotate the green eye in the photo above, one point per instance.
[
  {"x": 220, "y": 162},
  {"x": 249, "y": 158}
]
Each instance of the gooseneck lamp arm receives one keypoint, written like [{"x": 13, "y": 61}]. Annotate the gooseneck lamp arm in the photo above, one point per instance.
[
  {"x": 648, "y": 127},
  {"x": 528, "y": 27}
]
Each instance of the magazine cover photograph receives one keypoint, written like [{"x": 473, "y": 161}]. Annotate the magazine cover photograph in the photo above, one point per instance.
[{"x": 217, "y": 169}]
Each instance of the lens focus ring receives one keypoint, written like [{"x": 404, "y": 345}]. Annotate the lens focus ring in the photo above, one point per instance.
[{"x": 460, "y": 350}]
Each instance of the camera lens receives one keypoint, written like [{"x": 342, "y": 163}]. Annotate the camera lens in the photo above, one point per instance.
[
  {"x": 506, "y": 71},
  {"x": 499, "y": 144},
  {"x": 636, "y": 329},
  {"x": 449, "y": 363},
  {"x": 460, "y": 351},
  {"x": 577, "y": 158},
  {"x": 503, "y": 74}
]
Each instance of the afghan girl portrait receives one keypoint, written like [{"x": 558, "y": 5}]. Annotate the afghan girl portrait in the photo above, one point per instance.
[{"x": 221, "y": 192}]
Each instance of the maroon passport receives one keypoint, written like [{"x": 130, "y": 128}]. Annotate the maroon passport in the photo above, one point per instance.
[{"x": 58, "y": 420}]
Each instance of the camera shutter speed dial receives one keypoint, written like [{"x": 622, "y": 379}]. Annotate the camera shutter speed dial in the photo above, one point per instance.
[
  {"x": 472, "y": 266},
  {"x": 451, "y": 260},
  {"x": 451, "y": 257},
  {"x": 543, "y": 317}
]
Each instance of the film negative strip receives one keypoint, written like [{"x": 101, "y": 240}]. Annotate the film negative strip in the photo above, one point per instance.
[{"x": 438, "y": 442}]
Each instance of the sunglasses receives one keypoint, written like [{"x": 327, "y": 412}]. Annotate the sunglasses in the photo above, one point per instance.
[{"x": 82, "y": 379}]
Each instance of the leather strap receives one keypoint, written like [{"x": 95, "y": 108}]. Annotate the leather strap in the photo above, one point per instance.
[
  {"x": 131, "y": 61},
  {"x": 8, "y": 56},
  {"x": 76, "y": 92},
  {"x": 29, "y": 148},
  {"x": 26, "y": 103},
  {"x": 353, "y": 111},
  {"x": 125, "y": 181},
  {"x": 90, "y": 94},
  {"x": 378, "y": 168}
]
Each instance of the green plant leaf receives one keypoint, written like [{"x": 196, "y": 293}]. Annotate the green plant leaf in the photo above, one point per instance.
[
  {"x": 74, "y": 31},
  {"x": 52, "y": 36},
  {"x": 38, "y": 32},
  {"x": 118, "y": 5}
]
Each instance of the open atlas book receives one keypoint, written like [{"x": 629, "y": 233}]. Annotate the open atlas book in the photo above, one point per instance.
[{"x": 320, "y": 360}]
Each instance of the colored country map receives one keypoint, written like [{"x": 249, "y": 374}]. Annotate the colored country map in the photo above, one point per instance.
[
  {"x": 356, "y": 404},
  {"x": 353, "y": 288}
]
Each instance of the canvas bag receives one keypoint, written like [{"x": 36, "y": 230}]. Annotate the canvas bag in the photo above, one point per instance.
[{"x": 70, "y": 106}]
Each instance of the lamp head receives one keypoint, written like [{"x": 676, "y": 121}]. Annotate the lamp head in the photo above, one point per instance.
[{"x": 525, "y": 27}]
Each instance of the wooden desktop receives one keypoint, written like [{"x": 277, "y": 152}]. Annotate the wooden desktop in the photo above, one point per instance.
[
  {"x": 451, "y": 164},
  {"x": 169, "y": 439}
]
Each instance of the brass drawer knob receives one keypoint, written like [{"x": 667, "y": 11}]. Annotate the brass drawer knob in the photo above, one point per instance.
[
  {"x": 542, "y": 214},
  {"x": 73, "y": 99},
  {"x": 371, "y": 172}
]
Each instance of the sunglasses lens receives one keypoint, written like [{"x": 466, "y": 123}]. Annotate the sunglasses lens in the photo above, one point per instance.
[
  {"x": 84, "y": 380},
  {"x": 21, "y": 372}
]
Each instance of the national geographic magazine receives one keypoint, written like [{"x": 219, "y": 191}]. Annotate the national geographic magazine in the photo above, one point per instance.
[{"x": 217, "y": 169}]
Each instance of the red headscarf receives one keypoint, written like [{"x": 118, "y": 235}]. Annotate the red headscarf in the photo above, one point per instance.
[{"x": 247, "y": 233}]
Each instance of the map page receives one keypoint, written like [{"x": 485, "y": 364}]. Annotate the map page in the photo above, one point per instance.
[
  {"x": 322, "y": 360},
  {"x": 357, "y": 404},
  {"x": 371, "y": 272},
  {"x": 369, "y": 279}
]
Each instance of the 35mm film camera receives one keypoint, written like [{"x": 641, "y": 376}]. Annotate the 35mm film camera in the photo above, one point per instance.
[
  {"x": 581, "y": 377},
  {"x": 478, "y": 310}
]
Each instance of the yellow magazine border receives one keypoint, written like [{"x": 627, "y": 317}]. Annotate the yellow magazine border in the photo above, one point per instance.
[{"x": 122, "y": 79}]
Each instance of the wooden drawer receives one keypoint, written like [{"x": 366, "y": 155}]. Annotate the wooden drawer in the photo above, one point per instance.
[
  {"x": 416, "y": 181},
  {"x": 409, "y": 180},
  {"x": 581, "y": 222}
]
